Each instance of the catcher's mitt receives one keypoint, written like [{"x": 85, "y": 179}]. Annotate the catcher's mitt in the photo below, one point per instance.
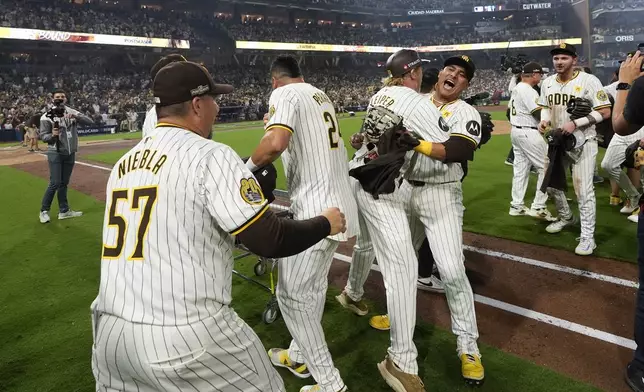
[
  {"x": 579, "y": 107},
  {"x": 634, "y": 156},
  {"x": 378, "y": 121},
  {"x": 487, "y": 127},
  {"x": 267, "y": 179}
]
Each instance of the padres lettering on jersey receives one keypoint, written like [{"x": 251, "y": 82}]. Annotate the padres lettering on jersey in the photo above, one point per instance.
[
  {"x": 555, "y": 96},
  {"x": 523, "y": 104},
  {"x": 315, "y": 162},
  {"x": 462, "y": 121},
  {"x": 170, "y": 218}
]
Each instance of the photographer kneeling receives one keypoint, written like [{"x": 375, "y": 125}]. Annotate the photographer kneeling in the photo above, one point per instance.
[
  {"x": 628, "y": 118},
  {"x": 58, "y": 128}
]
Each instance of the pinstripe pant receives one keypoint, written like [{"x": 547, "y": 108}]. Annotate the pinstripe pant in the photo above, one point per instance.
[
  {"x": 437, "y": 212},
  {"x": 388, "y": 225},
  {"x": 615, "y": 156},
  {"x": 301, "y": 294},
  {"x": 220, "y": 353},
  {"x": 529, "y": 150},
  {"x": 582, "y": 180}
]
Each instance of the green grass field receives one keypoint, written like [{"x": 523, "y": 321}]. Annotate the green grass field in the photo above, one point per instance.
[
  {"x": 486, "y": 195},
  {"x": 50, "y": 276}
]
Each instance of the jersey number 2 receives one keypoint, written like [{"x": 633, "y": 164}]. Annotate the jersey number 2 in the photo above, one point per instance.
[
  {"x": 334, "y": 130},
  {"x": 147, "y": 193}
]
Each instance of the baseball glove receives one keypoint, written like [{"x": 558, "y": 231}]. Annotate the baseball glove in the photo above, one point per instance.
[
  {"x": 378, "y": 121},
  {"x": 487, "y": 127},
  {"x": 634, "y": 156},
  {"x": 579, "y": 107},
  {"x": 267, "y": 179}
]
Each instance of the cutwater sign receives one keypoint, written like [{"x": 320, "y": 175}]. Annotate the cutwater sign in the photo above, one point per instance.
[{"x": 537, "y": 6}]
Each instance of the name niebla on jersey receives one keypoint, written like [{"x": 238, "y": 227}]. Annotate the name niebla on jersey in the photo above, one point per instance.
[{"x": 144, "y": 161}]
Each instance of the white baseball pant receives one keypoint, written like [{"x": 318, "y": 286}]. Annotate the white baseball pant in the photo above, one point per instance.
[
  {"x": 388, "y": 225},
  {"x": 362, "y": 257},
  {"x": 301, "y": 294},
  {"x": 437, "y": 212},
  {"x": 220, "y": 353},
  {"x": 615, "y": 156},
  {"x": 529, "y": 150},
  {"x": 582, "y": 178}
]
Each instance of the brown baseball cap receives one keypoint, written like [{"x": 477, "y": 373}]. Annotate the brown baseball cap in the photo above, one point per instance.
[
  {"x": 532, "y": 67},
  {"x": 182, "y": 81},
  {"x": 163, "y": 61},
  {"x": 463, "y": 61},
  {"x": 564, "y": 48},
  {"x": 402, "y": 62}
]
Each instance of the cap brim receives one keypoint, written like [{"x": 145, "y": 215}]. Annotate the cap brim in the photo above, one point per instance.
[
  {"x": 562, "y": 51},
  {"x": 222, "y": 89},
  {"x": 462, "y": 63}
]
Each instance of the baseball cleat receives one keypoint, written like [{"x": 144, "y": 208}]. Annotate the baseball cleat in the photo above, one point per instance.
[
  {"x": 541, "y": 213},
  {"x": 518, "y": 211},
  {"x": 279, "y": 358},
  {"x": 509, "y": 162},
  {"x": 634, "y": 378},
  {"x": 615, "y": 200},
  {"x": 69, "y": 214},
  {"x": 635, "y": 216},
  {"x": 44, "y": 217},
  {"x": 358, "y": 307},
  {"x": 380, "y": 323},
  {"x": 432, "y": 284},
  {"x": 630, "y": 205},
  {"x": 317, "y": 388},
  {"x": 598, "y": 179},
  {"x": 398, "y": 380},
  {"x": 472, "y": 369},
  {"x": 586, "y": 246},
  {"x": 559, "y": 224}
]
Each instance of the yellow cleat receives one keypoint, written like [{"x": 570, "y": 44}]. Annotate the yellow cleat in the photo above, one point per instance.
[
  {"x": 615, "y": 200},
  {"x": 380, "y": 322},
  {"x": 279, "y": 358},
  {"x": 472, "y": 369}
]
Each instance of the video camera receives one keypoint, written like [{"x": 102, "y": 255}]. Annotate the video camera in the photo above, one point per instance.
[{"x": 515, "y": 63}]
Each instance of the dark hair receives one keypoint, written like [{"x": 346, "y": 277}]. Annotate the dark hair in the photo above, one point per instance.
[
  {"x": 178, "y": 109},
  {"x": 58, "y": 91},
  {"x": 587, "y": 70},
  {"x": 286, "y": 66}
]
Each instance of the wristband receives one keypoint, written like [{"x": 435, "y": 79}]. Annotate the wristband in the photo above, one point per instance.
[
  {"x": 251, "y": 165},
  {"x": 593, "y": 118},
  {"x": 424, "y": 147}
]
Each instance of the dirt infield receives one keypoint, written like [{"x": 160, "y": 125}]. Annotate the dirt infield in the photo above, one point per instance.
[{"x": 513, "y": 292}]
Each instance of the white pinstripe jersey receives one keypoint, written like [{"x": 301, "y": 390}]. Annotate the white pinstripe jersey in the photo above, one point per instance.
[
  {"x": 462, "y": 121},
  {"x": 421, "y": 118},
  {"x": 150, "y": 122},
  {"x": 315, "y": 162},
  {"x": 555, "y": 96},
  {"x": 611, "y": 89},
  {"x": 173, "y": 204},
  {"x": 523, "y": 103}
]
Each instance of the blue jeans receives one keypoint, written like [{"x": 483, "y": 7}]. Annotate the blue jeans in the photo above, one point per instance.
[
  {"x": 638, "y": 360},
  {"x": 60, "y": 170}
]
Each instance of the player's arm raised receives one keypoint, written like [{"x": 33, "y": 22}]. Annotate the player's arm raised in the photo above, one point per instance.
[
  {"x": 279, "y": 128},
  {"x": 627, "y": 115},
  {"x": 464, "y": 138},
  {"x": 235, "y": 200}
]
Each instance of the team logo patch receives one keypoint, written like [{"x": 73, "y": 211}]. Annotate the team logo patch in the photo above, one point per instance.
[
  {"x": 577, "y": 89},
  {"x": 445, "y": 113},
  {"x": 271, "y": 111},
  {"x": 250, "y": 191},
  {"x": 443, "y": 124},
  {"x": 466, "y": 58},
  {"x": 473, "y": 128},
  {"x": 562, "y": 46},
  {"x": 601, "y": 95}
]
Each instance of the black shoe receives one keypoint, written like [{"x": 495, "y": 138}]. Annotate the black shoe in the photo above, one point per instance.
[{"x": 634, "y": 378}]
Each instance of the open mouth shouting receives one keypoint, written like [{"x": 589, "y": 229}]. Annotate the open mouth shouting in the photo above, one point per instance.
[{"x": 449, "y": 84}]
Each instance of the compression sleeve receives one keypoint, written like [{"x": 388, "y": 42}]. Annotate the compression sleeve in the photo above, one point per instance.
[{"x": 275, "y": 237}]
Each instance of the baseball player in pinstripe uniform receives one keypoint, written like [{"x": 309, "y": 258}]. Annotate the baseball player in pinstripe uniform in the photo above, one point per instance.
[
  {"x": 162, "y": 320},
  {"x": 303, "y": 129},
  {"x": 420, "y": 206},
  {"x": 556, "y": 91},
  {"x": 150, "y": 122},
  {"x": 530, "y": 149},
  {"x": 613, "y": 159}
]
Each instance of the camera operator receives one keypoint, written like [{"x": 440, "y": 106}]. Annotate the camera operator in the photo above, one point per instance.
[
  {"x": 58, "y": 128},
  {"x": 628, "y": 118}
]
